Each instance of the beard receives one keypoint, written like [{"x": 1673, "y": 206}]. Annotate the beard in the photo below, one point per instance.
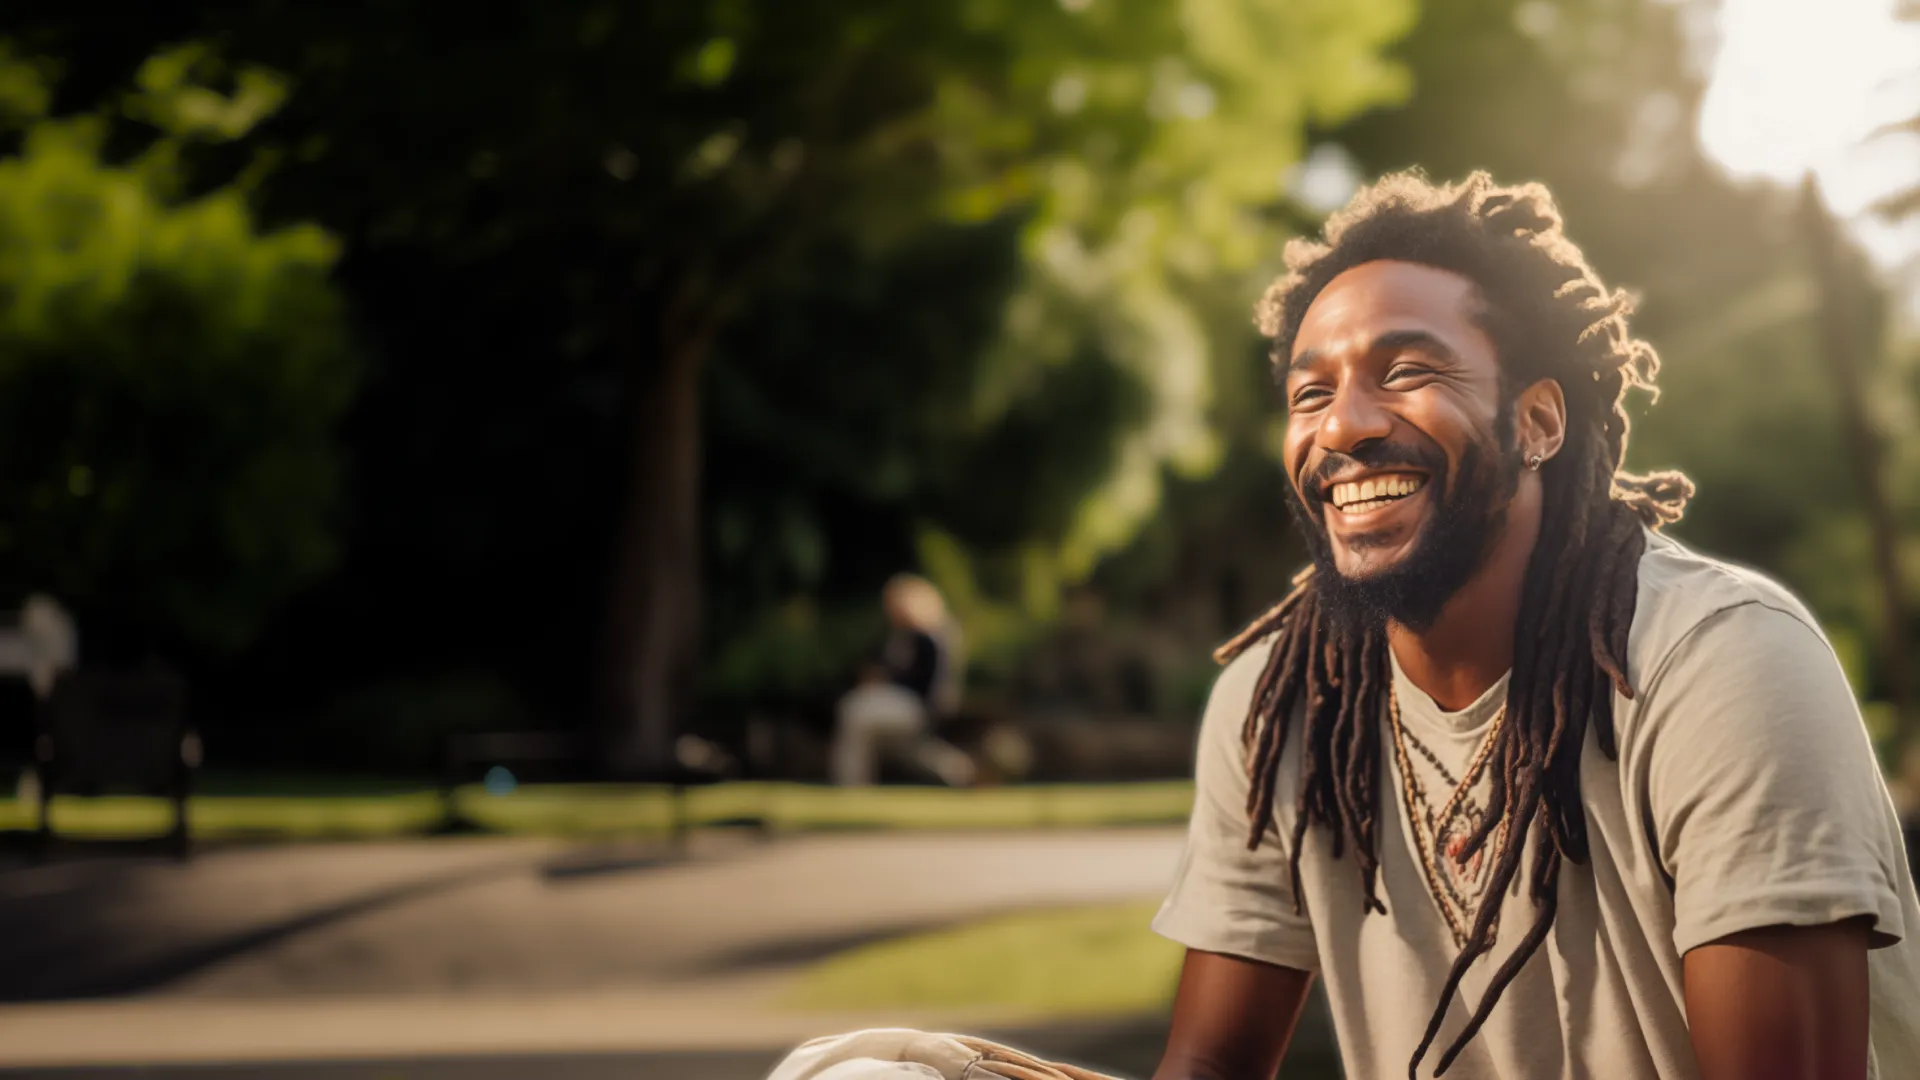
[{"x": 1469, "y": 507}]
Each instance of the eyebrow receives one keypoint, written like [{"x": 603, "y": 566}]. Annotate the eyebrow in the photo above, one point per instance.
[{"x": 1391, "y": 341}]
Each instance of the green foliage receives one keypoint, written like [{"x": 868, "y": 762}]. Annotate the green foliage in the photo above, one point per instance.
[
  {"x": 975, "y": 277},
  {"x": 1142, "y": 146},
  {"x": 1133, "y": 154},
  {"x": 1150, "y": 144},
  {"x": 25, "y": 86},
  {"x": 794, "y": 652},
  {"x": 605, "y": 185},
  {"x": 172, "y": 97},
  {"x": 170, "y": 375}
]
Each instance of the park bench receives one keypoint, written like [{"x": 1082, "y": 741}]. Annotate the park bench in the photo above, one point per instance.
[{"x": 106, "y": 733}]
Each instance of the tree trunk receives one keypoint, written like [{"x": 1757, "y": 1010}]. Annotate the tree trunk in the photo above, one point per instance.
[
  {"x": 1839, "y": 325},
  {"x": 650, "y": 652}
]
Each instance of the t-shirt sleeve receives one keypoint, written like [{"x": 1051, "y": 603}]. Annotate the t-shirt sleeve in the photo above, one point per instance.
[
  {"x": 1766, "y": 800},
  {"x": 1225, "y": 898}
]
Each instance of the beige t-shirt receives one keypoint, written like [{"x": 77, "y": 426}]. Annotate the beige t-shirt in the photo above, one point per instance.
[{"x": 1745, "y": 795}]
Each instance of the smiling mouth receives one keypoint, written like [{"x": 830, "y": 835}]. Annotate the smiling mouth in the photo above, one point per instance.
[{"x": 1363, "y": 496}]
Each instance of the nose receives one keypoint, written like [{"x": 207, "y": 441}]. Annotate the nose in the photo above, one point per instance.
[{"x": 1353, "y": 418}]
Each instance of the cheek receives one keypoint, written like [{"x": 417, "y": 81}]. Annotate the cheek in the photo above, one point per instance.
[
  {"x": 1453, "y": 430},
  {"x": 1473, "y": 459},
  {"x": 1294, "y": 452},
  {"x": 1488, "y": 434}
]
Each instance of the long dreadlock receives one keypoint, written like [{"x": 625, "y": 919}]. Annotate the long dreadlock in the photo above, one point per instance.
[{"x": 1548, "y": 316}]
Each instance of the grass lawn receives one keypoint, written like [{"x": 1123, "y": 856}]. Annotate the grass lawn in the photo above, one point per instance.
[
  {"x": 1059, "y": 964},
  {"x": 616, "y": 810},
  {"x": 1091, "y": 961}
]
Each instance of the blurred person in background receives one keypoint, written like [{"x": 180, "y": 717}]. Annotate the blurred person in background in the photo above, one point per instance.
[{"x": 913, "y": 681}]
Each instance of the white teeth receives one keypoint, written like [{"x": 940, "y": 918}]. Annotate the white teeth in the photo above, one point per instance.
[{"x": 1366, "y": 493}]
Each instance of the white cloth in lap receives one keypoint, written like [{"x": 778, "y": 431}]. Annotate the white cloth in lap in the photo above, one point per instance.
[{"x": 905, "y": 1054}]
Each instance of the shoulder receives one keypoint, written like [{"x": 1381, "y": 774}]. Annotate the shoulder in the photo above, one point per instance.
[
  {"x": 1688, "y": 602},
  {"x": 1233, "y": 688},
  {"x": 1223, "y": 724},
  {"x": 1740, "y": 706}
]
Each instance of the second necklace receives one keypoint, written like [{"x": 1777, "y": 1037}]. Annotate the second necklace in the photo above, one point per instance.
[{"x": 1441, "y": 833}]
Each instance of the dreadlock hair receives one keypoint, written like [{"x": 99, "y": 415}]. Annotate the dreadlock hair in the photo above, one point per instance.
[{"x": 1549, "y": 317}]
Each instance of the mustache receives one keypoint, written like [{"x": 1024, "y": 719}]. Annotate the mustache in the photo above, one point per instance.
[{"x": 1375, "y": 455}]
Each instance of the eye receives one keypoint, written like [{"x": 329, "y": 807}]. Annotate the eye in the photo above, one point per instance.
[
  {"x": 1308, "y": 397},
  {"x": 1405, "y": 370}
]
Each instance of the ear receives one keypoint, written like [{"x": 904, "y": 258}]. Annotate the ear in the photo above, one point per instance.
[{"x": 1540, "y": 420}]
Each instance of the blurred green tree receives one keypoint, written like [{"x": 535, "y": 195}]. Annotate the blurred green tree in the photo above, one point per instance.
[
  {"x": 689, "y": 159},
  {"x": 169, "y": 373},
  {"x": 958, "y": 284},
  {"x": 1138, "y": 144}
]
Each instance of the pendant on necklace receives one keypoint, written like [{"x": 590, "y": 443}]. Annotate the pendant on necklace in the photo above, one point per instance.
[{"x": 1442, "y": 833}]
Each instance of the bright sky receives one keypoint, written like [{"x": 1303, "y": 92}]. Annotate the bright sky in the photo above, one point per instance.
[{"x": 1803, "y": 84}]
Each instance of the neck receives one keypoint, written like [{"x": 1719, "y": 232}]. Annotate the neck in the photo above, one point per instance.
[{"x": 1470, "y": 646}]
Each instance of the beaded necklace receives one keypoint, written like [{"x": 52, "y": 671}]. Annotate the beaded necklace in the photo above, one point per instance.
[{"x": 1440, "y": 836}]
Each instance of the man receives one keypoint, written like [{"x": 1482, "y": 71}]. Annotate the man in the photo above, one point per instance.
[{"x": 1537, "y": 791}]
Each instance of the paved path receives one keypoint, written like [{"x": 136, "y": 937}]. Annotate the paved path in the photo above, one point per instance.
[{"x": 396, "y": 951}]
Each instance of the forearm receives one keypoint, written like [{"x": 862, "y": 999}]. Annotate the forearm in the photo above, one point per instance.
[{"x": 1232, "y": 1018}]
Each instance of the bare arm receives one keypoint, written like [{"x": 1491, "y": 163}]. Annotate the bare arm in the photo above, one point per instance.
[
  {"x": 1232, "y": 1018},
  {"x": 1780, "y": 1003}
]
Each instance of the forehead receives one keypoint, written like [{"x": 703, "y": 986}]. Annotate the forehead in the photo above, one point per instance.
[{"x": 1385, "y": 296}]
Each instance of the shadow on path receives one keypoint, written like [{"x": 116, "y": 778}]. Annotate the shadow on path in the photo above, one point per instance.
[
  {"x": 78, "y": 928},
  {"x": 599, "y": 862},
  {"x": 809, "y": 948},
  {"x": 56, "y": 973}
]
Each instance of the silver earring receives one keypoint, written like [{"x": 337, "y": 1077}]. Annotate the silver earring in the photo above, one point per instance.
[{"x": 1533, "y": 462}]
